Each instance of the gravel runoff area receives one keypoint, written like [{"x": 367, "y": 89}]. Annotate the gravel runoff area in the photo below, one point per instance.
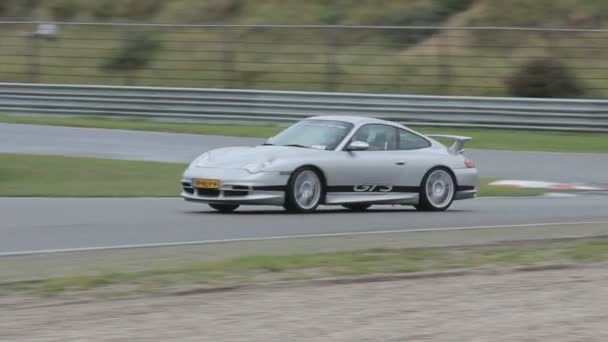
[{"x": 550, "y": 305}]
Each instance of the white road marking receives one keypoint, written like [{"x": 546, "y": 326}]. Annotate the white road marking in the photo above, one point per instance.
[
  {"x": 552, "y": 186},
  {"x": 286, "y": 237},
  {"x": 560, "y": 195}
]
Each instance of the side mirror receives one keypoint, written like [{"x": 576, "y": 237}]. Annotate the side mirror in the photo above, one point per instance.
[{"x": 358, "y": 146}]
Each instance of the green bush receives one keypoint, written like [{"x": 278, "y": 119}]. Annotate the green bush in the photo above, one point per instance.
[
  {"x": 7, "y": 7},
  {"x": 453, "y": 6},
  {"x": 232, "y": 8},
  {"x": 420, "y": 14},
  {"x": 17, "y": 8},
  {"x": 544, "y": 77},
  {"x": 137, "y": 51},
  {"x": 414, "y": 18},
  {"x": 64, "y": 10},
  {"x": 218, "y": 11},
  {"x": 103, "y": 10},
  {"x": 141, "y": 9}
]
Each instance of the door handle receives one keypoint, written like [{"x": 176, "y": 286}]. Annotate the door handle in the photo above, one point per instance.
[{"x": 401, "y": 162}]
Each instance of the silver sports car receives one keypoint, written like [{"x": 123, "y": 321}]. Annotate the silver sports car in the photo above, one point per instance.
[{"x": 335, "y": 160}]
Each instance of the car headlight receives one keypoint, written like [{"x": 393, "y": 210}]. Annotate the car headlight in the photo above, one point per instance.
[
  {"x": 256, "y": 167},
  {"x": 201, "y": 160}
]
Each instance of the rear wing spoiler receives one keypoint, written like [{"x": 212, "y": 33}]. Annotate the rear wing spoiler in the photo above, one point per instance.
[{"x": 458, "y": 142}]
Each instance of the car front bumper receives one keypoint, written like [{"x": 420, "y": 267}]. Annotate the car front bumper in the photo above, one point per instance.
[{"x": 237, "y": 186}]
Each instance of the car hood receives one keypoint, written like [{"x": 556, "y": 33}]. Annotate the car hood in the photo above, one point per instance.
[{"x": 238, "y": 157}]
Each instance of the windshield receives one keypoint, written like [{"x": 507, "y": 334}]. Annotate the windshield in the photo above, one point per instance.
[{"x": 320, "y": 134}]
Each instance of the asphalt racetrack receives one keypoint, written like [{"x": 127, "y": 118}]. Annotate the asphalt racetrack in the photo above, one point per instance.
[
  {"x": 31, "y": 224},
  {"x": 167, "y": 147}
]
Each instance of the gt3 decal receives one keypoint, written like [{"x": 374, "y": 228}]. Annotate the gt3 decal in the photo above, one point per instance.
[{"x": 373, "y": 188}]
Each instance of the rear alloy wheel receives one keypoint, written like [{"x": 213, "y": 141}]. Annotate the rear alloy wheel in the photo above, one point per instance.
[
  {"x": 437, "y": 190},
  {"x": 224, "y": 208},
  {"x": 357, "y": 206},
  {"x": 304, "y": 191}
]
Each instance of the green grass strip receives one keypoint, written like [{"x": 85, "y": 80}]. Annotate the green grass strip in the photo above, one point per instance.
[
  {"x": 264, "y": 269},
  {"x": 251, "y": 131},
  {"x": 499, "y": 139},
  {"x": 54, "y": 176}
]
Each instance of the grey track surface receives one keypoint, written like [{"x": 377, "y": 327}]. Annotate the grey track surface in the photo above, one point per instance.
[
  {"x": 167, "y": 147},
  {"x": 41, "y": 224},
  {"x": 108, "y": 143}
]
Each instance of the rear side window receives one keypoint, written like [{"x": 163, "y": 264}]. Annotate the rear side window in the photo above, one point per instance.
[
  {"x": 411, "y": 141},
  {"x": 379, "y": 137}
]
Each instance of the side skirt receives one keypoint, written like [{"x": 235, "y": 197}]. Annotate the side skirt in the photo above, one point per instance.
[
  {"x": 384, "y": 194},
  {"x": 376, "y": 198}
]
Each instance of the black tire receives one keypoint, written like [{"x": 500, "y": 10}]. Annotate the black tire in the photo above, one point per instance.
[
  {"x": 291, "y": 203},
  {"x": 426, "y": 204},
  {"x": 224, "y": 208},
  {"x": 357, "y": 206}
]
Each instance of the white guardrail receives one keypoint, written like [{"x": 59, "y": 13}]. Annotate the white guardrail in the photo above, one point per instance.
[{"x": 288, "y": 106}]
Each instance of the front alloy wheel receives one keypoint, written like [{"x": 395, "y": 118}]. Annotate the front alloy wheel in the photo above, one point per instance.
[{"x": 304, "y": 191}]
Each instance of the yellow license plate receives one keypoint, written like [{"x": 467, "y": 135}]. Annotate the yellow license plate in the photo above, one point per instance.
[{"x": 207, "y": 183}]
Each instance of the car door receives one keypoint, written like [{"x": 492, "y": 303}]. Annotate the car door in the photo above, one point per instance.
[
  {"x": 412, "y": 149},
  {"x": 378, "y": 169}
]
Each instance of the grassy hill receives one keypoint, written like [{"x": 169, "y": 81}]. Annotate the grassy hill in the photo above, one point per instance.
[
  {"x": 241, "y": 11},
  {"x": 394, "y": 61},
  {"x": 568, "y": 13}
]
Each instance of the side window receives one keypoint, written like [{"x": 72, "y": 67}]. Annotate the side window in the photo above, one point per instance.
[
  {"x": 379, "y": 137},
  {"x": 411, "y": 141}
]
